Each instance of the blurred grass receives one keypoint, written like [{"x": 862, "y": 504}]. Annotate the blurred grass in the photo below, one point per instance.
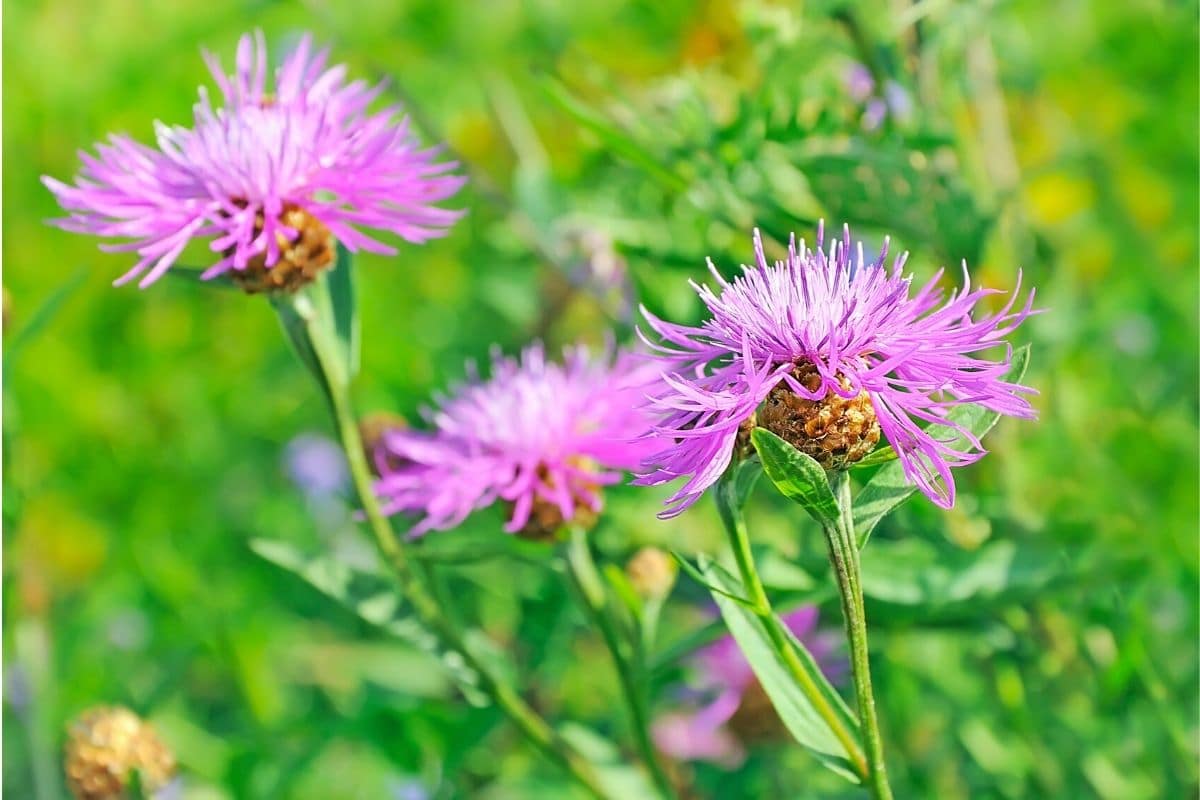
[{"x": 144, "y": 430}]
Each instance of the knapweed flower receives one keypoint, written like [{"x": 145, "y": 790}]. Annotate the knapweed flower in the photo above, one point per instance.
[
  {"x": 827, "y": 350},
  {"x": 274, "y": 177},
  {"x": 735, "y": 710},
  {"x": 541, "y": 437}
]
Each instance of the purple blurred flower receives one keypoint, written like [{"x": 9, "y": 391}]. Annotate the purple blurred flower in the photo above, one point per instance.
[
  {"x": 874, "y": 115},
  {"x": 408, "y": 789},
  {"x": 722, "y": 672},
  {"x": 256, "y": 174},
  {"x": 316, "y": 465},
  {"x": 540, "y": 436},
  {"x": 598, "y": 268},
  {"x": 894, "y": 99},
  {"x": 899, "y": 101},
  {"x": 18, "y": 689},
  {"x": 853, "y": 331},
  {"x": 859, "y": 83}
]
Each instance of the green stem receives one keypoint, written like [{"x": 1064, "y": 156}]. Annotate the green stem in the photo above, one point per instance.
[
  {"x": 410, "y": 579},
  {"x": 843, "y": 553},
  {"x": 739, "y": 538},
  {"x": 591, "y": 590}
]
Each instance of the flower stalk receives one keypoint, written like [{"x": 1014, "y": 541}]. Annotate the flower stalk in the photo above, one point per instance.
[
  {"x": 590, "y": 587},
  {"x": 314, "y": 306},
  {"x": 843, "y": 554},
  {"x": 739, "y": 539}
]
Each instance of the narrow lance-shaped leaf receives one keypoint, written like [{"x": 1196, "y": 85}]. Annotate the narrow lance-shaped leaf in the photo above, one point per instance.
[
  {"x": 373, "y": 598},
  {"x": 797, "y": 476},
  {"x": 40, "y": 318},
  {"x": 699, "y": 577},
  {"x": 880, "y": 456},
  {"x": 295, "y": 313},
  {"x": 796, "y": 710},
  {"x": 611, "y": 134},
  {"x": 889, "y": 487},
  {"x": 344, "y": 299},
  {"x": 745, "y": 475}
]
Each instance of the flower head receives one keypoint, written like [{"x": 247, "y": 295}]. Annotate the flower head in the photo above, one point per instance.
[
  {"x": 540, "y": 436},
  {"x": 272, "y": 177},
  {"x": 105, "y": 745},
  {"x": 736, "y": 710},
  {"x": 835, "y": 350}
]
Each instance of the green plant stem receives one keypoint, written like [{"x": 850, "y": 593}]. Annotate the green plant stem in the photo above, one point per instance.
[
  {"x": 739, "y": 538},
  {"x": 408, "y": 575},
  {"x": 843, "y": 553},
  {"x": 591, "y": 590}
]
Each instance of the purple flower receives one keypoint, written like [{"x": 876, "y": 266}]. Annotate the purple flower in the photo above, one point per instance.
[
  {"x": 841, "y": 349},
  {"x": 874, "y": 115},
  {"x": 272, "y": 171},
  {"x": 316, "y": 465},
  {"x": 541, "y": 437},
  {"x": 722, "y": 673},
  {"x": 859, "y": 82}
]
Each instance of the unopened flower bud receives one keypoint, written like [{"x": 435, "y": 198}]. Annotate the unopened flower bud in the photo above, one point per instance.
[
  {"x": 834, "y": 431},
  {"x": 371, "y": 429},
  {"x": 373, "y": 426},
  {"x": 652, "y": 573},
  {"x": 105, "y": 745}
]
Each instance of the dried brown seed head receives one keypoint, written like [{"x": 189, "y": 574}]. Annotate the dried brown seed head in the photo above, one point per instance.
[
  {"x": 834, "y": 431},
  {"x": 300, "y": 261},
  {"x": 105, "y": 745}
]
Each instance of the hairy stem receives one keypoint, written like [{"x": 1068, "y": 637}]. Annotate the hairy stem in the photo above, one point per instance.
[
  {"x": 410, "y": 579},
  {"x": 739, "y": 538},
  {"x": 591, "y": 590},
  {"x": 843, "y": 553}
]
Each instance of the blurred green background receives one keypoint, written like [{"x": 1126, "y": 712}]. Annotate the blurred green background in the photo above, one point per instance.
[{"x": 611, "y": 147}]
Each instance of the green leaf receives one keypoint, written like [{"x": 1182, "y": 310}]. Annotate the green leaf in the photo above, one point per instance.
[
  {"x": 373, "y": 598},
  {"x": 917, "y": 574},
  {"x": 616, "y": 775},
  {"x": 295, "y": 311},
  {"x": 618, "y": 581},
  {"x": 797, "y": 476},
  {"x": 611, "y": 135},
  {"x": 745, "y": 474},
  {"x": 40, "y": 318},
  {"x": 889, "y": 487},
  {"x": 794, "y": 708},
  {"x": 345, "y": 309},
  {"x": 879, "y": 456},
  {"x": 699, "y": 578},
  {"x": 856, "y": 179}
]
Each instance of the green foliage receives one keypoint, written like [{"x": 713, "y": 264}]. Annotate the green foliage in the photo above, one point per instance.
[
  {"x": 795, "y": 709},
  {"x": 1035, "y": 641},
  {"x": 343, "y": 297},
  {"x": 797, "y": 476}
]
